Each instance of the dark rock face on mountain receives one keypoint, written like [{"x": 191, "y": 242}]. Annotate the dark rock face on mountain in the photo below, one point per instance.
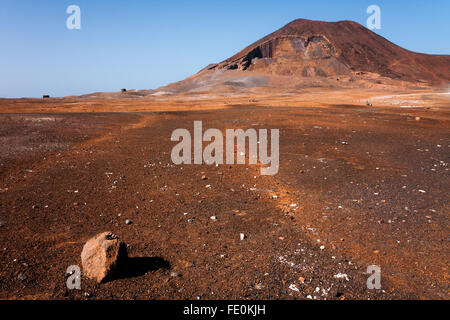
[{"x": 305, "y": 48}]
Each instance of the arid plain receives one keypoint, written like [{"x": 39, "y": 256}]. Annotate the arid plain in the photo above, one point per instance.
[{"x": 363, "y": 180}]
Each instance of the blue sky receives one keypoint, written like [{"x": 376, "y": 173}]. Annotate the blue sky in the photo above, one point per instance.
[{"x": 147, "y": 44}]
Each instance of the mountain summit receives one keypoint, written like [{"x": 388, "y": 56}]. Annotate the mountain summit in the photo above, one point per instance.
[
  {"x": 307, "y": 53},
  {"x": 315, "y": 48}
]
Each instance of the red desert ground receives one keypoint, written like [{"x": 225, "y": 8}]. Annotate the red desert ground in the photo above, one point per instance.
[{"x": 363, "y": 179}]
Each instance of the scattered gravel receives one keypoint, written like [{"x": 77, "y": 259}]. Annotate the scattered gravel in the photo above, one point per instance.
[{"x": 22, "y": 277}]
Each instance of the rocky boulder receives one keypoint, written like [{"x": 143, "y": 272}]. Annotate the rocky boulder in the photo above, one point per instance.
[{"x": 102, "y": 256}]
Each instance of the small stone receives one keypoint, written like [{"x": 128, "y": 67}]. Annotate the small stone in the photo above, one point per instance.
[
  {"x": 175, "y": 274},
  {"x": 242, "y": 236},
  {"x": 213, "y": 218},
  {"x": 22, "y": 277},
  {"x": 102, "y": 256},
  {"x": 293, "y": 287},
  {"x": 342, "y": 276},
  {"x": 128, "y": 222},
  {"x": 259, "y": 286},
  {"x": 204, "y": 178}
]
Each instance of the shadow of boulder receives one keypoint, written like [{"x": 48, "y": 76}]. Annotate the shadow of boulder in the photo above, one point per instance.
[{"x": 139, "y": 266}]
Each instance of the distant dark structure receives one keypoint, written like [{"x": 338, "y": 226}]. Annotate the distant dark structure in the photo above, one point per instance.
[
  {"x": 46, "y": 96},
  {"x": 124, "y": 90}
]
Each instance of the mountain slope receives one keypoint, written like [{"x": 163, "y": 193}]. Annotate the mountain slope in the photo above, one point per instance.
[{"x": 314, "y": 48}]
